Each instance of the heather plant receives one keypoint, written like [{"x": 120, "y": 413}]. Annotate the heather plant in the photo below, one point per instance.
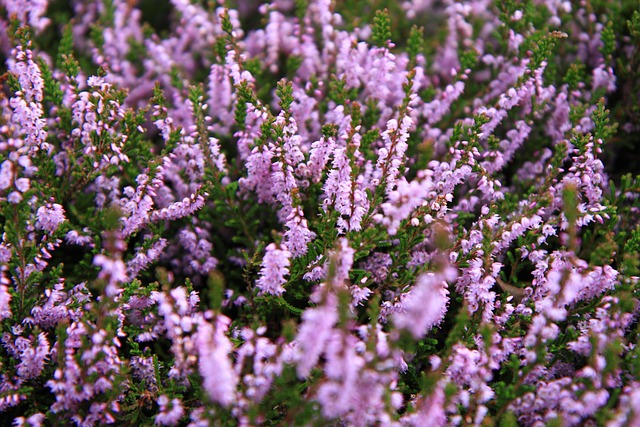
[{"x": 310, "y": 212}]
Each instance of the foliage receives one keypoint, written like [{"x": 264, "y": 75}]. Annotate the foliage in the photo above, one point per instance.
[{"x": 308, "y": 213}]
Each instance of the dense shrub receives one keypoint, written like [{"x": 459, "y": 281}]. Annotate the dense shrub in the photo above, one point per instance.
[{"x": 310, "y": 212}]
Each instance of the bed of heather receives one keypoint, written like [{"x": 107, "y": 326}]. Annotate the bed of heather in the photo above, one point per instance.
[{"x": 316, "y": 212}]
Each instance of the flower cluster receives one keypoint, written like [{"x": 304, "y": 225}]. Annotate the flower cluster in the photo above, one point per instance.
[{"x": 315, "y": 212}]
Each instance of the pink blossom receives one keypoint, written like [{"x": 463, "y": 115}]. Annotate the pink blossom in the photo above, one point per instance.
[
  {"x": 319, "y": 157},
  {"x": 5, "y": 299},
  {"x": 297, "y": 236},
  {"x": 218, "y": 377},
  {"x": 113, "y": 271},
  {"x": 177, "y": 210},
  {"x": 143, "y": 258},
  {"x": 424, "y": 306},
  {"x": 391, "y": 155},
  {"x": 33, "y": 355},
  {"x": 50, "y": 217},
  {"x": 34, "y": 420},
  {"x": 402, "y": 201},
  {"x": 30, "y": 12},
  {"x": 315, "y": 331},
  {"x": 6, "y": 174},
  {"x": 171, "y": 411},
  {"x": 275, "y": 266},
  {"x": 347, "y": 197}
]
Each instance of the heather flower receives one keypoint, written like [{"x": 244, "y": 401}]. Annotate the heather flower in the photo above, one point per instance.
[
  {"x": 402, "y": 201},
  {"x": 29, "y": 76},
  {"x": 359, "y": 295},
  {"x": 50, "y": 217},
  {"x": 30, "y": 12},
  {"x": 266, "y": 363},
  {"x": 171, "y": 411},
  {"x": 348, "y": 198},
  {"x": 378, "y": 266},
  {"x": 431, "y": 410},
  {"x": 469, "y": 368},
  {"x": 337, "y": 395},
  {"x": 137, "y": 205},
  {"x": 424, "y": 306},
  {"x": 5, "y": 299},
  {"x": 391, "y": 156},
  {"x": 377, "y": 71},
  {"x": 221, "y": 98},
  {"x": 250, "y": 132},
  {"x": 342, "y": 257},
  {"x": 6, "y": 175},
  {"x": 218, "y": 158},
  {"x": 75, "y": 238},
  {"x": 100, "y": 360},
  {"x": 628, "y": 413},
  {"x": 319, "y": 157},
  {"x": 34, "y": 420},
  {"x": 144, "y": 370},
  {"x": 297, "y": 236},
  {"x": 275, "y": 266},
  {"x": 144, "y": 258},
  {"x": 113, "y": 272},
  {"x": 434, "y": 111},
  {"x": 315, "y": 331},
  {"x": 180, "y": 209},
  {"x": 382, "y": 166},
  {"x": 32, "y": 358},
  {"x": 603, "y": 77},
  {"x": 26, "y": 104},
  {"x": 22, "y": 184},
  {"x": 14, "y": 197},
  {"x": 53, "y": 310},
  {"x": 176, "y": 310},
  {"x": 259, "y": 174},
  {"x": 318, "y": 323},
  {"x": 219, "y": 379},
  {"x": 197, "y": 251}
]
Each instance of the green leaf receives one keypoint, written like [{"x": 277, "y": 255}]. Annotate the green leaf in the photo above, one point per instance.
[{"x": 381, "y": 32}]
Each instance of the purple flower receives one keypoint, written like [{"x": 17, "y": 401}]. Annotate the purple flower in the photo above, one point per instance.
[
  {"x": 391, "y": 155},
  {"x": 344, "y": 193},
  {"x": 218, "y": 377},
  {"x": 319, "y": 157},
  {"x": 34, "y": 420},
  {"x": 75, "y": 238},
  {"x": 5, "y": 299},
  {"x": 402, "y": 201},
  {"x": 343, "y": 368},
  {"x": 297, "y": 236},
  {"x": 431, "y": 410},
  {"x": 259, "y": 174},
  {"x": 144, "y": 370},
  {"x": 275, "y": 266},
  {"x": 6, "y": 174},
  {"x": 29, "y": 12},
  {"x": 315, "y": 331},
  {"x": 50, "y": 217},
  {"x": 424, "y": 306},
  {"x": 144, "y": 258},
  {"x": 196, "y": 256},
  {"x": 32, "y": 356},
  {"x": 171, "y": 411},
  {"x": 137, "y": 205},
  {"x": 434, "y": 111},
  {"x": 177, "y": 210},
  {"x": 113, "y": 272},
  {"x": 266, "y": 363}
]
